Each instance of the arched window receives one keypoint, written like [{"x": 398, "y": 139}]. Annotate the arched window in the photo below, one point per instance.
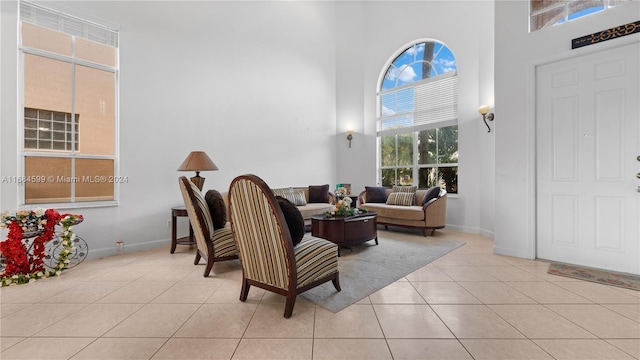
[
  {"x": 545, "y": 13},
  {"x": 417, "y": 118}
]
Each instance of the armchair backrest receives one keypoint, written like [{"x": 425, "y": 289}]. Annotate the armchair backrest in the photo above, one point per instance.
[
  {"x": 263, "y": 240},
  {"x": 199, "y": 215}
]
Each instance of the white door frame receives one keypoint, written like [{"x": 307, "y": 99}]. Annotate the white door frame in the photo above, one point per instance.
[{"x": 531, "y": 249}]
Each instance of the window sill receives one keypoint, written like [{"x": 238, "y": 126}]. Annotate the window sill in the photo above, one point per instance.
[{"x": 78, "y": 205}]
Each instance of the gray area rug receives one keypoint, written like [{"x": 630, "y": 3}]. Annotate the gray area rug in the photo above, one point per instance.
[{"x": 368, "y": 268}]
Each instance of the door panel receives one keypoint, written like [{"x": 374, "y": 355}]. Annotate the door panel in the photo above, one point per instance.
[{"x": 587, "y": 141}]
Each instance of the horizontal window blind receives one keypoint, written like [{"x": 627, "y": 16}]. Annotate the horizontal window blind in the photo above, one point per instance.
[
  {"x": 58, "y": 21},
  {"x": 424, "y": 105}
]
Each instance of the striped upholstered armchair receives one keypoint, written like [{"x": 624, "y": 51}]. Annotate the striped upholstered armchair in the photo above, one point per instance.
[
  {"x": 269, "y": 259},
  {"x": 213, "y": 245}
]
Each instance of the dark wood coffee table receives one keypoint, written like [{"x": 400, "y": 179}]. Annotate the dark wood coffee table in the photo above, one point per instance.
[{"x": 345, "y": 231}]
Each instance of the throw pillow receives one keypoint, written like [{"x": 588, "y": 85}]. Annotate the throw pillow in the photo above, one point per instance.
[
  {"x": 281, "y": 191},
  {"x": 375, "y": 194},
  {"x": 319, "y": 193},
  {"x": 400, "y": 198},
  {"x": 295, "y": 221},
  {"x": 217, "y": 208},
  {"x": 432, "y": 193},
  {"x": 405, "y": 188},
  {"x": 297, "y": 198}
]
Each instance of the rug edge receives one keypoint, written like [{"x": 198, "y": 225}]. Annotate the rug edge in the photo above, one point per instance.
[{"x": 556, "y": 267}]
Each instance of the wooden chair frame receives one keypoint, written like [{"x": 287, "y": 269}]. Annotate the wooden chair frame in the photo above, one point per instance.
[
  {"x": 292, "y": 290},
  {"x": 202, "y": 233}
]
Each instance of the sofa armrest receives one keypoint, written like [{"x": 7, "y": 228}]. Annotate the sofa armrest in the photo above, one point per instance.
[
  {"x": 362, "y": 197},
  {"x": 435, "y": 211}
]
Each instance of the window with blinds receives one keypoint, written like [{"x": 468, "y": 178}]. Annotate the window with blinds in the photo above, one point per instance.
[
  {"x": 69, "y": 68},
  {"x": 417, "y": 115},
  {"x": 427, "y": 104}
]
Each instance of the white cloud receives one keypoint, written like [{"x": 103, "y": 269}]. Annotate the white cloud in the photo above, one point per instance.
[
  {"x": 387, "y": 112},
  {"x": 415, "y": 49},
  {"x": 445, "y": 62},
  {"x": 406, "y": 73}
]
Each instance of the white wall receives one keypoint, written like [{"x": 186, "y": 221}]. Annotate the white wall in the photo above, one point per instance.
[
  {"x": 516, "y": 55},
  {"x": 376, "y": 31},
  {"x": 267, "y": 88},
  {"x": 250, "y": 83}
]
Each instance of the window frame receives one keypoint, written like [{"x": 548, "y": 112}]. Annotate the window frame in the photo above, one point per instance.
[
  {"x": 413, "y": 130},
  {"x": 73, "y": 61},
  {"x": 567, "y": 11}
]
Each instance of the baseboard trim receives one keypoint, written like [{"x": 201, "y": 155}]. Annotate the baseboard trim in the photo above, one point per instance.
[
  {"x": 99, "y": 253},
  {"x": 471, "y": 230}
]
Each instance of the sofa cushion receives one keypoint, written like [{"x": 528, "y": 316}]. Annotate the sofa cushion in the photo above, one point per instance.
[
  {"x": 294, "y": 219},
  {"x": 400, "y": 198},
  {"x": 404, "y": 189},
  {"x": 217, "y": 208},
  {"x": 411, "y": 213},
  {"x": 375, "y": 194},
  {"x": 432, "y": 193},
  {"x": 315, "y": 209},
  {"x": 319, "y": 193},
  {"x": 281, "y": 191}
]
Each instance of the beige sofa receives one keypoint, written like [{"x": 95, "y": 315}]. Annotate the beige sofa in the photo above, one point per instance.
[
  {"x": 307, "y": 210},
  {"x": 432, "y": 215}
]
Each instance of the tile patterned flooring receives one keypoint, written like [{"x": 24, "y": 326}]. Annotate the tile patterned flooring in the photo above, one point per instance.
[{"x": 469, "y": 304}]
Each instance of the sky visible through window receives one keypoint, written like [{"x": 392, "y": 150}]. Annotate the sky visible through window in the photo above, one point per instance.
[
  {"x": 581, "y": 13},
  {"x": 408, "y": 66}
]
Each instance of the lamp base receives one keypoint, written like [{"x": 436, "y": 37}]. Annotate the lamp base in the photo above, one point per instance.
[{"x": 198, "y": 181}]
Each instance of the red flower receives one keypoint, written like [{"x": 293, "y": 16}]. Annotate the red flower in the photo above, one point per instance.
[{"x": 17, "y": 257}]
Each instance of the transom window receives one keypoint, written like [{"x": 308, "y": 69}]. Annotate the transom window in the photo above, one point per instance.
[
  {"x": 417, "y": 118},
  {"x": 545, "y": 13}
]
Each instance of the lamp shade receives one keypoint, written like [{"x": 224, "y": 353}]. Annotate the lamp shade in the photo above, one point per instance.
[
  {"x": 483, "y": 109},
  {"x": 197, "y": 161}
]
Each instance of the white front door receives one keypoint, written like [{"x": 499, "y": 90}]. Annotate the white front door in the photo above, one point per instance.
[{"x": 587, "y": 158}]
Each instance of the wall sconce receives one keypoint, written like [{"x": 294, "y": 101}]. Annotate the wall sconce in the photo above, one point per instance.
[
  {"x": 486, "y": 115},
  {"x": 349, "y": 136}
]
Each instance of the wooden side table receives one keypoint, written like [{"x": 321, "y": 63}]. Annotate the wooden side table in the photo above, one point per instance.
[{"x": 180, "y": 211}]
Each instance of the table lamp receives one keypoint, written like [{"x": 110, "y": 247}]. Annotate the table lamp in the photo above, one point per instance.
[{"x": 197, "y": 161}]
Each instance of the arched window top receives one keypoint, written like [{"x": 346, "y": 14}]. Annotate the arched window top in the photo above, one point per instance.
[{"x": 427, "y": 59}]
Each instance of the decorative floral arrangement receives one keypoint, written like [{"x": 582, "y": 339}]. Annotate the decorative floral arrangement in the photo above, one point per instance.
[
  {"x": 343, "y": 208},
  {"x": 342, "y": 192},
  {"x": 26, "y": 264}
]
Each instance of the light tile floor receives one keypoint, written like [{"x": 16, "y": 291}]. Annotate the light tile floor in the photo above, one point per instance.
[{"x": 469, "y": 304}]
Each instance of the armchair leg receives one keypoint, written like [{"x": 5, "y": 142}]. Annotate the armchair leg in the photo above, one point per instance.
[
  {"x": 244, "y": 291},
  {"x": 336, "y": 282},
  {"x": 208, "y": 268},
  {"x": 198, "y": 257},
  {"x": 291, "y": 301},
  {"x": 433, "y": 231}
]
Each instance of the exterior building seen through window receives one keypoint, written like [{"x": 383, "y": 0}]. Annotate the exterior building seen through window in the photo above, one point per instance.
[
  {"x": 50, "y": 130},
  {"x": 69, "y": 69}
]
